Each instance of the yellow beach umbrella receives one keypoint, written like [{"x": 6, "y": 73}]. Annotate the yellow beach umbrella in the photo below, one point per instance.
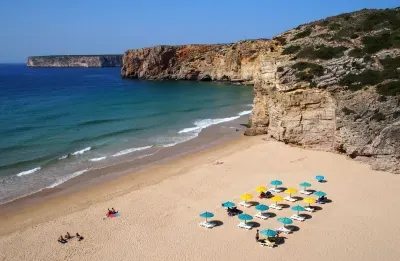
[
  {"x": 261, "y": 189},
  {"x": 291, "y": 191},
  {"x": 246, "y": 196},
  {"x": 309, "y": 201},
  {"x": 276, "y": 199}
]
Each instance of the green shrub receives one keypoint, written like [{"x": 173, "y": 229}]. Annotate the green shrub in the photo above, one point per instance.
[
  {"x": 396, "y": 114},
  {"x": 312, "y": 68},
  {"x": 367, "y": 58},
  {"x": 347, "y": 111},
  {"x": 356, "y": 82},
  {"x": 280, "y": 69},
  {"x": 390, "y": 66},
  {"x": 303, "y": 34},
  {"x": 322, "y": 52},
  {"x": 389, "y": 89},
  {"x": 373, "y": 44},
  {"x": 334, "y": 26},
  {"x": 304, "y": 76},
  {"x": 382, "y": 98},
  {"x": 356, "y": 52},
  {"x": 291, "y": 49},
  {"x": 354, "y": 36},
  {"x": 380, "y": 19}
]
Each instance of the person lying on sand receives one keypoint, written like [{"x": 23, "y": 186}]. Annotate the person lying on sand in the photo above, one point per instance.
[
  {"x": 114, "y": 211},
  {"x": 62, "y": 240},
  {"x": 80, "y": 238}
]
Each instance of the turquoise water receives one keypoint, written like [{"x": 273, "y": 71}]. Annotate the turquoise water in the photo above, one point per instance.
[{"x": 57, "y": 123}]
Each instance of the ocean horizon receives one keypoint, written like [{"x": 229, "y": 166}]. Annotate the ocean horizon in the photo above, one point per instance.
[{"x": 59, "y": 123}]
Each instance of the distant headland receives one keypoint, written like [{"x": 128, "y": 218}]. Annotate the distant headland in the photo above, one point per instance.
[{"x": 108, "y": 60}]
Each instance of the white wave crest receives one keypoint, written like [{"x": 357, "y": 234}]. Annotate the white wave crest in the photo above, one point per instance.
[
  {"x": 81, "y": 151},
  {"x": 66, "y": 178},
  {"x": 244, "y": 113},
  {"x": 27, "y": 172},
  {"x": 98, "y": 159},
  {"x": 63, "y": 157},
  {"x": 123, "y": 152},
  {"x": 250, "y": 105},
  {"x": 201, "y": 124}
]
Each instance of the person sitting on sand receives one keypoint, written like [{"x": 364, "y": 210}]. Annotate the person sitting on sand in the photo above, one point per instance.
[
  {"x": 268, "y": 194},
  {"x": 257, "y": 236},
  {"x": 262, "y": 195},
  {"x": 68, "y": 236},
  {"x": 62, "y": 240},
  {"x": 114, "y": 211},
  {"x": 80, "y": 238},
  {"x": 110, "y": 212}
]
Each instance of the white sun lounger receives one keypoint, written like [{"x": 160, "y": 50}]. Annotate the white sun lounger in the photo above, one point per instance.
[
  {"x": 305, "y": 192},
  {"x": 245, "y": 204},
  {"x": 267, "y": 243},
  {"x": 284, "y": 230},
  {"x": 276, "y": 190},
  {"x": 297, "y": 217},
  {"x": 244, "y": 225},
  {"x": 261, "y": 215},
  {"x": 207, "y": 224},
  {"x": 290, "y": 199},
  {"x": 275, "y": 206},
  {"x": 309, "y": 209}
]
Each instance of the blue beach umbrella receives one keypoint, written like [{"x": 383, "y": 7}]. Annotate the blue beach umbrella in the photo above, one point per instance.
[
  {"x": 298, "y": 208},
  {"x": 320, "y": 194},
  {"x": 245, "y": 217},
  {"x": 276, "y": 183},
  {"x": 305, "y": 185},
  {"x": 285, "y": 221},
  {"x": 206, "y": 215},
  {"x": 268, "y": 232},
  {"x": 228, "y": 204},
  {"x": 320, "y": 178},
  {"x": 262, "y": 207}
]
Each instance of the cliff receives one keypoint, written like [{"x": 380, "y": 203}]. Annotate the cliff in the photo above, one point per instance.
[
  {"x": 75, "y": 61},
  {"x": 330, "y": 85}
]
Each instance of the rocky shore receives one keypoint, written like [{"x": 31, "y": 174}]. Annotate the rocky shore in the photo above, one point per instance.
[
  {"x": 75, "y": 61},
  {"x": 329, "y": 85}
]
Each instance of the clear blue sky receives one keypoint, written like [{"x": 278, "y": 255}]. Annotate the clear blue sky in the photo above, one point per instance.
[{"x": 45, "y": 27}]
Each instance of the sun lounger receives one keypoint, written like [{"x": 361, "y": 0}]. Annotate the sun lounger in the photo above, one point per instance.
[
  {"x": 309, "y": 209},
  {"x": 275, "y": 206},
  {"x": 297, "y": 217},
  {"x": 245, "y": 204},
  {"x": 244, "y": 225},
  {"x": 305, "y": 192},
  {"x": 284, "y": 230},
  {"x": 207, "y": 224},
  {"x": 267, "y": 243},
  {"x": 261, "y": 215},
  {"x": 276, "y": 190},
  {"x": 290, "y": 199}
]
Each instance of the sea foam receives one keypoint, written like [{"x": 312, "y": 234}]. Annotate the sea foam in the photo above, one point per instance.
[
  {"x": 98, "y": 159},
  {"x": 127, "y": 151},
  {"x": 66, "y": 178},
  {"x": 27, "y": 172},
  {"x": 79, "y": 152}
]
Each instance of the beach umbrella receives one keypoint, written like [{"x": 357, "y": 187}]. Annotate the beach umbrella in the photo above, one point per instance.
[
  {"x": 268, "y": 233},
  {"x": 285, "y": 221},
  {"x": 320, "y": 178},
  {"x": 262, "y": 207},
  {"x": 228, "y": 204},
  {"x": 305, "y": 185},
  {"x": 309, "y": 201},
  {"x": 206, "y": 215},
  {"x": 298, "y": 208},
  {"x": 290, "y": 191},
  {"x": 261, "y": 189},
  {"x": 246, "y": 197},
  {"x": 276, "y": 199},
  {"x": 245, "y": 217},
  {"x": 320, "y": 194},
  {"x": 276, "y": 183}
]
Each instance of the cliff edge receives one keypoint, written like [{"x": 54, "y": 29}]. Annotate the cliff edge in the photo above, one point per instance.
[
  {"x": 75, "y": 61},
  {"x": 330, "y": 85}
]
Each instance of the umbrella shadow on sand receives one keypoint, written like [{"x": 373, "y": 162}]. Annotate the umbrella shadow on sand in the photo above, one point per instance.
[
  {"x": 253, "y": 224},
  {"x": 317, "y": 208},
  {"x": 298, "y": 198},
  {"x": 306, "y": 216},
  {"x": 270, "y": 214},
  {"x": 284, "y": 205},
  {"x": 217, "y": 223},
  {"x": 253, "y": 203},
  {"x": 293, "y": 228}
]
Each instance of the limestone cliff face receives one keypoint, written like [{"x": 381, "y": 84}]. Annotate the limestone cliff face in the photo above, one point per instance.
[
  {"x": 75, "y": 61},
  {"x": 239, "y": 62},
  {"x": 331, "y": 85}
]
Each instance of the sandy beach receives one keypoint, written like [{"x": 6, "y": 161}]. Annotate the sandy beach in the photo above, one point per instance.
[{"x": 160, "y": 209}]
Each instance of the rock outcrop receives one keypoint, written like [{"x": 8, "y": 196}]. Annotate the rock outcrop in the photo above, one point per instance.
[
  {"x": 75, "y": 61},
  {"x": 330, "y": 85}
]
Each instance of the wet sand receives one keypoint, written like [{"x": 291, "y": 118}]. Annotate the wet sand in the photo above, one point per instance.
[{"x": 160, "y": 207}]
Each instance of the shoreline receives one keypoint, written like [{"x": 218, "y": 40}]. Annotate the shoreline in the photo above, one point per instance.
[{"x": 159, "y": 210}]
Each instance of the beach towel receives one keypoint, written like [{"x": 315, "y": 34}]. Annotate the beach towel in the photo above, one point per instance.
[{"x": 112, "y": 215}]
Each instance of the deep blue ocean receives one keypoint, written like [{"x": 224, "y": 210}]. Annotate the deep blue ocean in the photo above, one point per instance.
[{"x": 57, "y": 123}]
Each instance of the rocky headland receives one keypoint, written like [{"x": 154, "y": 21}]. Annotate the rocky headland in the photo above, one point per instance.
[
  {"x": 330, "y": 85},
  {"x": 75, "y": 61}
]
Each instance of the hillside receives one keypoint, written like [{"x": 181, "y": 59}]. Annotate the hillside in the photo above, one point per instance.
[{"x": 332, "y": 84}]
